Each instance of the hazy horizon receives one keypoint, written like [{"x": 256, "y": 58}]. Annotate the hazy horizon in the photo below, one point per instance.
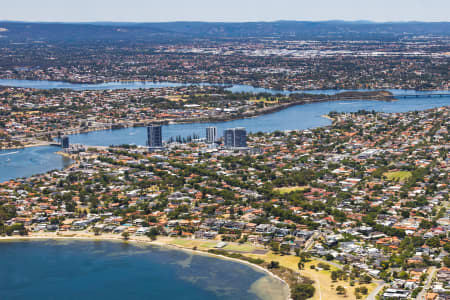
[
  {"x": 197, "y": 21},
  {"x": 141, "y": 11}
]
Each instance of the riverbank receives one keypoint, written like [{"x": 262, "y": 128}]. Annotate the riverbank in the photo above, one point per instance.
[
  {"x": 28, "y": 145},
  {"x": 66, "y": 155},
  {"x": 160, "y": 242},
  {"x": 327, "y": 117}
]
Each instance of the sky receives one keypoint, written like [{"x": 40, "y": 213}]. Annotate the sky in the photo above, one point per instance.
[{"x": 223, "y": 10}]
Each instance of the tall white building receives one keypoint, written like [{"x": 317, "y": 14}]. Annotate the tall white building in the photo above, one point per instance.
[{"x": 211, "y": 134}]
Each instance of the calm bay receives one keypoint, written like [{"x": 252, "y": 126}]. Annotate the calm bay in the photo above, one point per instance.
[{"x": 81, "y": 269}]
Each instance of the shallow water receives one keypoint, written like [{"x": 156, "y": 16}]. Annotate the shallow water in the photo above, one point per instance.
[{"x": 65, "y": 269}]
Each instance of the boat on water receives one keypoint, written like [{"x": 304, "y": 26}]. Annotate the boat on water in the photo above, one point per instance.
[{"x": 9, "y": 153}]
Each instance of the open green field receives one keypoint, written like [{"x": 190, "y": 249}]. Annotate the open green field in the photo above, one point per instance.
[
  {"x": 398, "y": 175},
  {"x": 205, "y": 245},
  {"x": 188, "y": 243},
  {"x": 287, "y": 190},
  {"x": 264, "y": 100},
  {"x": 242, "y": 248}
]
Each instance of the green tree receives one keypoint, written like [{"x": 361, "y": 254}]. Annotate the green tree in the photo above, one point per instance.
[
  {"x": 152, "y": 233},
  {"x": 302, "y": 291},
  {"x": 447, "y": 247},
  {"x": 334, "y": 276},
  {"x": 273, "y": 265},
  {"x": 366, "y": 279},
  {"x": 446, "y": 261},
  {"x": 285, "y": 248},
  {"x": 340, "y": 290},
  {"x": 304, "y": 256},
  {"x": 275, "y": 246},
  {"x": 323, "y": 266},
  {"x": 97, "y": 231},
  {"x": 433, "y": 242},
  {"x": 363, "y": 290}
]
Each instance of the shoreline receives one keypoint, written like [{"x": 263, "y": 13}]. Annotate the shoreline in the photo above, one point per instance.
[
  {"x": 328, "y": 117},
  {"x": 38, "y": 144},
  {"x": 67, "y": 155},
  {"x": 147, "y": 241}
]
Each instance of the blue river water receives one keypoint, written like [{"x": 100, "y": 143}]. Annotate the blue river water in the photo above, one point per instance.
[
  {"x": 30, "y": 161},
  {"x": 295, "y": 117},
  {"x": 68, "y": 269},
  {"x": 132, "y": 85},
  {"x": 45, "y": 84},
  {"x": 26, "y": 162}
]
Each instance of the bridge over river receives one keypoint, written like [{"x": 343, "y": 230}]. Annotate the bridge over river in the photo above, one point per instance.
[{"x": 430, "y": 95}]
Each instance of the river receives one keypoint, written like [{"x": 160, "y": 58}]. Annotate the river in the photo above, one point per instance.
[{"x": 25, "y": 162}]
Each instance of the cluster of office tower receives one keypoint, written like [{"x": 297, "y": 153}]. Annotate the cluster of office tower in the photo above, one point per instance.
[{"x": 232, "y": 137}]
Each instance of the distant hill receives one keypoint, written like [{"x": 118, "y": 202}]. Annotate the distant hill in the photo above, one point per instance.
[{"x": 172, "y": 31}]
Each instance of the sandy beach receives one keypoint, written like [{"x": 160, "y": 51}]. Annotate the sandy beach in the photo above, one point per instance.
[{"x": 327, "y": 117}]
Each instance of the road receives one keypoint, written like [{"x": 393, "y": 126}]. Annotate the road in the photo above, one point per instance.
[
  {"x": 320, "y": 291},
  {"x": 430, "y": 277},
  {"x": 380, "y": 286},
  {"x": 310, "y": 241},
  {"x": 340, "y": 267}
]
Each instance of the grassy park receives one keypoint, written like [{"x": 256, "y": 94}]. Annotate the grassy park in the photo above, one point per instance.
[
  {"x": 325, "y": 287},
  {"x": 287, "y": 190},
  {"x": 206, "y": 245},
  {"x": 398, "y": 175}
]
